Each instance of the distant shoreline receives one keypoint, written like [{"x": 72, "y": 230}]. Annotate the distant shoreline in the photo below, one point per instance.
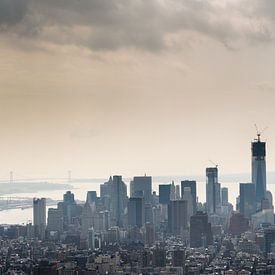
[{"x": 31, "y": 187}]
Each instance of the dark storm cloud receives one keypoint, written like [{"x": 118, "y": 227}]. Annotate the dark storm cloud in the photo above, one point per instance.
[
  {"x": 143, "y": 24},
  {"x": 12, "y": 11}
]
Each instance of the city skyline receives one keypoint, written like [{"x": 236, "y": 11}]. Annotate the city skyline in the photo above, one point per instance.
[{"x": 137, "y": 137}]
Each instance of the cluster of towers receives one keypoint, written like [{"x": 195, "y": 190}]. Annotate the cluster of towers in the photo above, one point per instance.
[
  {"x": 253, "y": 196},
  {"x": 174, "y": 209}
]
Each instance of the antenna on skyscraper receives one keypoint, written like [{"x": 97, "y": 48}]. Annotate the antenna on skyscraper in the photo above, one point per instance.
[
  {"x": 259, "y": 132},
  {"x": 216, "y": 165}
]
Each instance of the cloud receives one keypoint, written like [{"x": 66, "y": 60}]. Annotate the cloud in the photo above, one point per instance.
[
  {"x": 139, "y": 24},
  {"x": 12, "y": 11}
]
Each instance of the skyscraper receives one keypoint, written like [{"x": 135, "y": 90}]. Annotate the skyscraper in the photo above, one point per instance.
[
  {"x": 238, "y": 224},
  {"x": 193, "y": 185},
  {"x": 187, "y": 196},
  {"x": 177, "y": 197},
  {"x": 149, "y": 234},
  {"x": 91, "y": 197},
  {"x": 213, "y": 190},
  {"x": 118, "y": 200},
  {"x": 247, "y": 199},
  {"x": 259, "y": 169},
  {"x": 142, "y": 186},
  {"x": 200, "y": 230},
  {"x": 177, "y": 216},
  {"x": 105, "y": 193},
  {"x": 86, "y": 219},
  {"x": 39, "y": 217},
  {"x": 55, "y": 220},
  {"x": 224, "y": 196},
  {"x": 164, "y": 193},
  {"x": 68, "y": 197},
  {"x": 269, "y": 236},
  {"x": 136, "y": 212},
  {"x": 105, "y": 188},
  {"x": 69, "y": 207}
]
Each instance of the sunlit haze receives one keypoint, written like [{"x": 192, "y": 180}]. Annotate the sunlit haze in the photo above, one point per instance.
[{"x": 127, "y": 87}]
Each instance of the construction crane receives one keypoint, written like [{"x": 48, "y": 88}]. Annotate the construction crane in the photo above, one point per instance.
[{"x": 259, "y": 132}]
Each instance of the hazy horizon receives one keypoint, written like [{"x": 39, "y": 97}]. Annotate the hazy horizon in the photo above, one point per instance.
[{"x": 127, "y": 87}]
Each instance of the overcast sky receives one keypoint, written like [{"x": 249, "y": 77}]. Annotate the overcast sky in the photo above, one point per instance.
[{"x": 132, "y": 86}]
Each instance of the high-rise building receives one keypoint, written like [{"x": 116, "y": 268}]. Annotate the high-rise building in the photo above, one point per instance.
[
  {"x": 91, "y": 239},
  {"x": 177, "y": 197},
  {"x": 91, "y": 197},
  {"x": 261, "y": 218},
  {"x": 142, "y": 187},
  {"x": 269, "y": 235},
  {"x": 270, "y": 198},
  {"x": 149, "y": 234},
  {"x": 247, "y": 199},
  {"x": 200, "y": 230},
  {"x": 172, "y": 192},
  {"x": 238, "y": 224},
  {"x": 193, "y": 185},
  {"x": 55, "y": 220},
  {"x": 86, "y": 219},
  {"x": 69, "y": 207},
  {"x": 136, "y": 212},
  {"x": 224, "y": 196},
  {"x": 164, "y": 193},
  {"x": 187, "y": 196},
  {"x": 259, "y": 169},
  {"x": 148, "y": 212},
  {"x": 118, "y": 200},
  {"x": 177, "y": 217},
  {"x": 105, "y": 188},
  {"x": 101, "y": 220},
  {"x": 68, "y": 197},
  {"x": 39, "y": 217},
  {"x": 213, "y": 190}
]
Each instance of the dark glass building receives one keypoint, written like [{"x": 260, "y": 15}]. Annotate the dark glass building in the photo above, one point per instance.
[
  {"x": 136, "y": 212},
  {"x": 247, "y": 199},
  {"x": 164, "y": 193},
  {"x": 177, "y": 216},
  {"x": 259, "y": 169},
  {"x": 142, "y": 187},
  {"x": 91, "y": 197},
  {"x": 200, "y": 230},
  {"x": 213, "y": 190}
]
